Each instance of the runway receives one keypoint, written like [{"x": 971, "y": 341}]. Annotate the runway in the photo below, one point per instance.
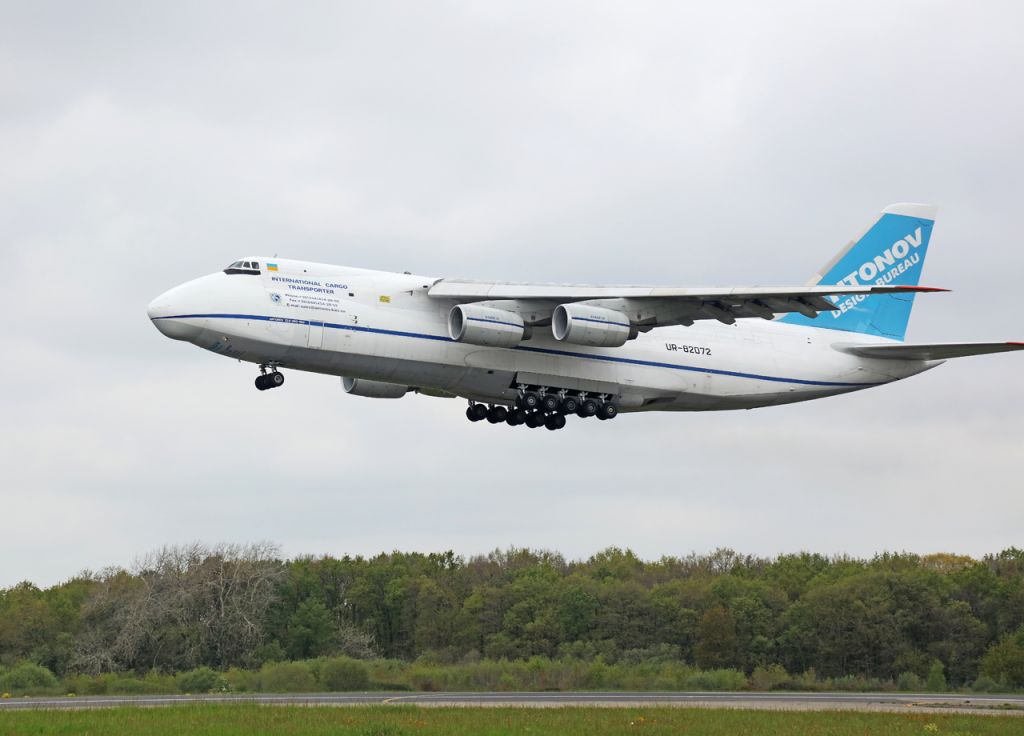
[{"x": 995, "y": 704}]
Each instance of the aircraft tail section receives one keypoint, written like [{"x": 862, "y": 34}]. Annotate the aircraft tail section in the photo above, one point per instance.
[
  {"x": 891, "y": 252},
  {"x": 934, "y": 351}
]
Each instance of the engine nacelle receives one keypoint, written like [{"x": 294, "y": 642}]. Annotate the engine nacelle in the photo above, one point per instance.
[
  {"x": 595, "y": 326},
  {"x": 373, "y": 389},
  {"x": 496, "y": 328}
]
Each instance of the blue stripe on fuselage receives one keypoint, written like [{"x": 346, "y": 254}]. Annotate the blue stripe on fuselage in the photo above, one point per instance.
[{"x": 545, "y": 351}]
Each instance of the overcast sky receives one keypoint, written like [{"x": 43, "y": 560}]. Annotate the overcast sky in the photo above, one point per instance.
[{"x": 142, "y": 145}]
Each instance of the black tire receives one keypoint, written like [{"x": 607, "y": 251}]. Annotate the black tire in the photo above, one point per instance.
[
  {"x": 608, "y": 411},
  {"x": 471, "y": 415},
  {"x": 554, "y": 422},
  {"x": 516, "y": 417},
  {"x": 529, "y": 401},
  {"x": 588, "y": 408},
  {"x": 497, "y": 414},
  {"x": 534, "y": 419},
  {"x": 569, "y": 405},
  {"x": 275, "y": 380},
  {"x": 560, "y": 420},
  {"x": 479, "y": 411},
  {"x": 549, "y": 402},
  {"x": 260, "y": 383}
]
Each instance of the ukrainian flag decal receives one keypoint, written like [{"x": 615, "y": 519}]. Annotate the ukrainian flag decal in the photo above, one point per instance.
[{"x": 271, "y": 266}]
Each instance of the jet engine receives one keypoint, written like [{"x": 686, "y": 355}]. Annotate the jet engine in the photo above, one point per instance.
[
  {"x": 496, "y": 328},
  {"x": 373, "y": 389},
  {"x": 595, "y": 326}
]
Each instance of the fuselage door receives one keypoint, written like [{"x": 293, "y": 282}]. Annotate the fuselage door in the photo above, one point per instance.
[{"x": 316, "y": 335}]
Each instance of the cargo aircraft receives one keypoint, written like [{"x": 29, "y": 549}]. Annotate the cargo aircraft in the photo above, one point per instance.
[{"x": 534, "y": 354}]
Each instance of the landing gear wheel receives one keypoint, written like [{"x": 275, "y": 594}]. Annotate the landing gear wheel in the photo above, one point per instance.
[
  {"x": 588, "y": 408},
  {"x": 516, "y": 417},
  {"x": 275, "y": 379},
  {"x": 608, "y": 411},
  {"x": 554, "y": 421},
  {"x": 476, "y": 412},
  {"x": 534, "y": 419},
  {"x": 528, "y": 401},
  {"x": 569, "y": 405},
  {"x": 549, "y": 402},
  {"x": 261, "y": 383},
  {"x": 497, "y": 414}
]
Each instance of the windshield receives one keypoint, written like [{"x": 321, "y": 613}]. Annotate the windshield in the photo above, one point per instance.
[{"x": 251, "y": 268}]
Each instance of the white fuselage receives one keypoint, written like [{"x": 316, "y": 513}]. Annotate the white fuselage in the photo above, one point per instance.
[{"x": 383, "y": 326}]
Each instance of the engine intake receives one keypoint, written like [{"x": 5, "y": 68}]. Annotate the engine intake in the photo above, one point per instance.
[
  {"x": 595, "y": 326},
  {"x": 373, "y": 389},
  {"x": 496, "y": 328}
]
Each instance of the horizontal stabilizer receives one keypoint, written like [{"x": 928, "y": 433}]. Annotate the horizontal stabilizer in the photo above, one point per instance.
[{"x": 934, "y": 351}]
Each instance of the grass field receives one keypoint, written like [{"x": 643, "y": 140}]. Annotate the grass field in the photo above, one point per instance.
[{"x": 247, "y": 719}]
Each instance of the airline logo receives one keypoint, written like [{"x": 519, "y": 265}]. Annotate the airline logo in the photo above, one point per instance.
[
  {"x": 271, "y": 266},
  {"x": 894, "y": 261}
]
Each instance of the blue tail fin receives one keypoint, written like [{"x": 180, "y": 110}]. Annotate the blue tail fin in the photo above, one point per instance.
[{"x": 892, "y": 252}]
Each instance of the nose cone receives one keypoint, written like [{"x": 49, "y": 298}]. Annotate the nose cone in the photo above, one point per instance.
[{"x": 168, "y": 317}]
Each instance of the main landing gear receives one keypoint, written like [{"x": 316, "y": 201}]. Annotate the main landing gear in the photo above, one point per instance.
[
  {"x": 546, "y": 409},
  {"x": 269, "y": 380}
]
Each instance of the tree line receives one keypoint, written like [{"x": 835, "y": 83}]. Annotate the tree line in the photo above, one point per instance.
[{"x": 178, "y": 608}]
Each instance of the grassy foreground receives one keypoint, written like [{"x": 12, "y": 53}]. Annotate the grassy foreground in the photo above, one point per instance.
[{"x": 232, "y": 719}]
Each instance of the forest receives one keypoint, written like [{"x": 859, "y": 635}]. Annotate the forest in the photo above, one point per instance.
[{"x": 522, "y": 618}]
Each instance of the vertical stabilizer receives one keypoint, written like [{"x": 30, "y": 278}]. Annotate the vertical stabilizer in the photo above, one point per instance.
[{"x": 890, "y": 252}]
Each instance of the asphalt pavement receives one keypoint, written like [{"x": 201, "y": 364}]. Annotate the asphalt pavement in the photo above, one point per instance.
[{"x": 1008, "y": 704}]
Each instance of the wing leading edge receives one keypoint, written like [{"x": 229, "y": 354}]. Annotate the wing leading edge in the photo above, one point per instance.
[{"x": 647, "y": 307}]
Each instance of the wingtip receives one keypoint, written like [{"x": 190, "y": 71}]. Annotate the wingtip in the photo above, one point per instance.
[{"x": 923, "y": 289}]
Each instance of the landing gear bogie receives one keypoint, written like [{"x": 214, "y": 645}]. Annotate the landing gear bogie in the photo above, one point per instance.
[
  {"x": 265, "y": 380},
  {"x": 540, "y": 406},
  {"x": 554, "y": 421},
  {"x": 528, "y": 401},
  {"x": 549, "y": 402},
  {"x": 588, "y": 408},
  {"x": 497, "y": 414},
  {"x": 569, "y": 405}
]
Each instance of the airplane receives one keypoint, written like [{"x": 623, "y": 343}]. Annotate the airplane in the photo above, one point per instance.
[{"x": 534, "y": 354}]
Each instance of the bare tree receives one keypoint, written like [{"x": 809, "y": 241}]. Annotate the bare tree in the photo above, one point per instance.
[{"x": 184, "y": 606}]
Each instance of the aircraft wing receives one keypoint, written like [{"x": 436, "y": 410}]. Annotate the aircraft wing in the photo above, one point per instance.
[
  {"x": 655, "y": 306},
  {"x": 934, "y": 351}
]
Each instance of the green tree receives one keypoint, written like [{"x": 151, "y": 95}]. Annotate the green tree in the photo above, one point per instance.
[
  {"x": 1004, "y": 660},
  {"x": 310, "y": 631},
  {"x": 717, "y": 644},
  {"x": 936, "y": 681}
]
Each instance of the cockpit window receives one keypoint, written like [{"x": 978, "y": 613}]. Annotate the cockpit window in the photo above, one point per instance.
[{"x": 251, "y": 268}]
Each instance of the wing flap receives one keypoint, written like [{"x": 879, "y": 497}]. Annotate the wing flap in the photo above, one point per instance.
[{"x": 933, "y": 351}]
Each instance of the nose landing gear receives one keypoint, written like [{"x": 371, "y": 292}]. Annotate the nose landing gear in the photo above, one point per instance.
[{"x": 266, "y": 380}]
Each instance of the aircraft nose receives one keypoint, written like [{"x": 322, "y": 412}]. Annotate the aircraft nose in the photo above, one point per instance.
[
  {"x": 170, "y": 320},
  {"x": 158, "y": 308}
]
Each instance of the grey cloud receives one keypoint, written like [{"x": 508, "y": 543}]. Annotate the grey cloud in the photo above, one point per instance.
[{"x": 734, "y": 143}]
